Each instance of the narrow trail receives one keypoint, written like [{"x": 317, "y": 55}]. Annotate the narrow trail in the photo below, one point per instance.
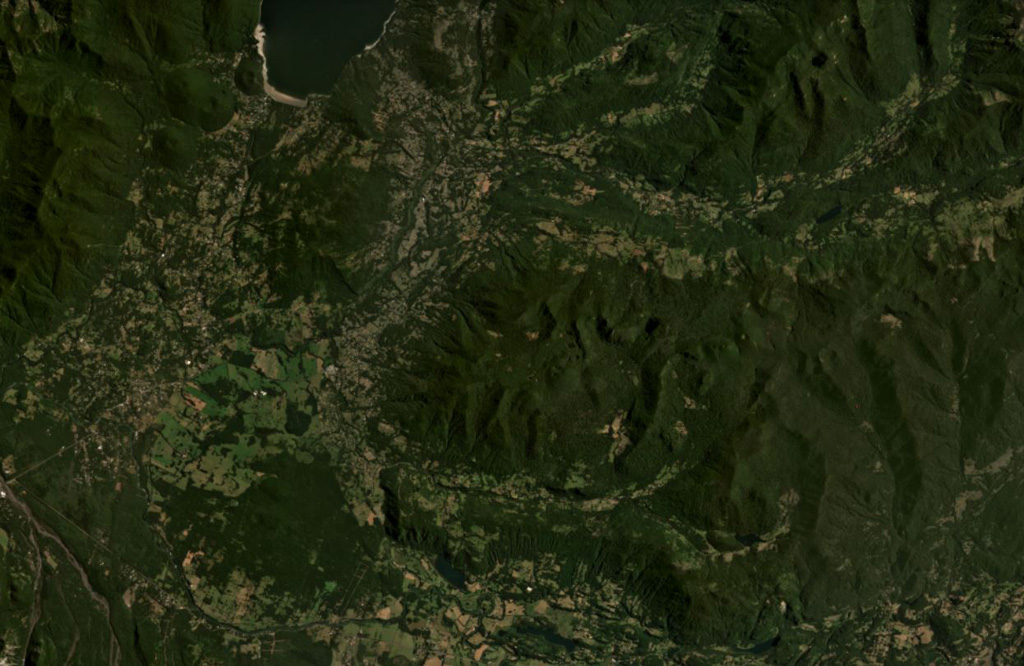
[{"x": 44, "y": 530}]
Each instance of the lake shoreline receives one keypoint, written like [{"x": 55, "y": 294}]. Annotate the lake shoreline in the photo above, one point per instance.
[
  {"x": 274, "y": 94},
  {"x": 383, "y": 32},
  {"x": 260, "y": 35}
]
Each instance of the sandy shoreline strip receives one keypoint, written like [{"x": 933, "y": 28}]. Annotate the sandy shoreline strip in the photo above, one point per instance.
[
  {"x": 274, "y": 93},
  {"x": 382, "y": 32}
]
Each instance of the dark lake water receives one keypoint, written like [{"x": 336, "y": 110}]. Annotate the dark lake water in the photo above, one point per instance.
[
  {"x": 552, "y": 637},
  {"x": 308, "y": 42},
  {"x": 449, "y": 572}
]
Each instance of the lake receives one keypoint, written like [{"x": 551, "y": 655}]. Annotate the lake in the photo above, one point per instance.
[{"x": 307, "y": 42}]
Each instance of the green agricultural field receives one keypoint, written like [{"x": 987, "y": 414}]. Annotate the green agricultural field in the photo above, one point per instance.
[{"x": 556, "y": 332}]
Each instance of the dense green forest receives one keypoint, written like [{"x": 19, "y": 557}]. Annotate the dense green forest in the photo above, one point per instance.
[{"x": 555, "y": 332}]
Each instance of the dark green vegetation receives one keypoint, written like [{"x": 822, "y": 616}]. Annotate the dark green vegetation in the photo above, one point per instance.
[{"x": 557, "y": 332}]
